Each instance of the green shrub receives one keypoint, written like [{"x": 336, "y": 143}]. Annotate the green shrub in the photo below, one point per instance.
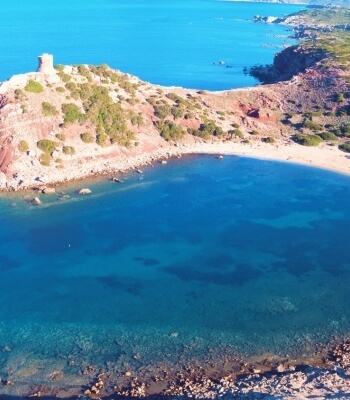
[
  {"x": 23, "y": 146},
  {"x": 345, "y": 147},
  {"x": 101, "y": 139},
  {"x": 308, "y": 140},
  {"x": 169, "y": 130},
  {"x": 59, "y": 67},
  {"x": 72, "y": 113},
  {"x": 345, "y": 130},
  {"x": 136, "y": 120},
  {"x": 173, "y": 96},
  {"x": 177, "y": 112},
  {"x": 60, "y": 89},
  {"x": 87, "y": 137},
  {"x": 328, "y": 136},
  {"x": 84, "y": 71},
  {"x": 47, "y": 145},
  {"x": 207, "y": 129},
  {"x": 85, "y": 91},
  {"x": 45, "y": 159},
  {"x": 237, "y": 132},
  {"x": 73, "y": 88},
  {"x": 61, "y": 136},
  {"x": 19, "y": 94},
  {"x": 34, "y": 87},
  {"x": 48, "y": 109},
  {"x": 123, "y": 138},
  {"x": 339, "y": 97},
  {"x": 255, "y": 132},
  {"x": 310, "y": 114},
  {"x": 161, "y": 111},
  {"x": 189, "y": 115},
  {"x": 69, "y": 150},
  {"x": 64, "y": 77},
  {"x": 269, "y": 139},
  {"x": 312, "y": 126}
]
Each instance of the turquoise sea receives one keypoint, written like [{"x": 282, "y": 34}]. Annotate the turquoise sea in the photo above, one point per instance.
[
  {"x": 167, "y": 42},
  {"x": 199, "y": 259}
]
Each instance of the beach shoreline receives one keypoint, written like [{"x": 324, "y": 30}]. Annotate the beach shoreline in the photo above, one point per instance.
[{"x": 323, "y": 157}]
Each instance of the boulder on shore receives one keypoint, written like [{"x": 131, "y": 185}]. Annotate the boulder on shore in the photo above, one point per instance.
[
  {"x": 36, "y": 201},
  {"x": 48, "y": 190}
]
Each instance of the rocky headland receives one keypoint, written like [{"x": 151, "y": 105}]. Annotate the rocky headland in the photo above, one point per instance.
[{"x": 71, "y": 122}]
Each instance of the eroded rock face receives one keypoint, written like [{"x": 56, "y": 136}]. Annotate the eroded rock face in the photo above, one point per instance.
[
  {"x": 288, "y": 63},
  {"x": 261, "y": 115}
]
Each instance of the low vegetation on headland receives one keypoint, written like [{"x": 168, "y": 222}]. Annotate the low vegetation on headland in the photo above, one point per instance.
[{"x": 83, "y": 115}]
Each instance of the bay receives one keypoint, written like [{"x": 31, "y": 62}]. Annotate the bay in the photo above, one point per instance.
[{"x": 194, "y": 258}]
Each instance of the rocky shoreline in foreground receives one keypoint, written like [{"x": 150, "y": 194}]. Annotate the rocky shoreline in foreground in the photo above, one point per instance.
[{"x": 324, "y": 375}]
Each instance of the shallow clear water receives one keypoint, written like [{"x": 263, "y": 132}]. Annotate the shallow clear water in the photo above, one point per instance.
[
  {"x": 172, "y": 42},
  {"x": 194, "y": 257}
]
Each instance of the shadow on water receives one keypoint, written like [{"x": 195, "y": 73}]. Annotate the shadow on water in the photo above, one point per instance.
[
  {"x": 242, "y": 274},
  {"x": 129, "y": 285},
  {"x": 47, "y": 240},
  {"x": 7, "y": 263}
]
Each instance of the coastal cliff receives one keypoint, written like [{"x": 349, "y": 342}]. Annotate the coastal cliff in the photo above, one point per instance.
[{"x": 288, "y": 63}]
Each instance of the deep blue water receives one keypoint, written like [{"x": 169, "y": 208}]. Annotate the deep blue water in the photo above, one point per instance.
[
  {"x": 172, "y": 42},
  {"x": 194, "y": 256}
]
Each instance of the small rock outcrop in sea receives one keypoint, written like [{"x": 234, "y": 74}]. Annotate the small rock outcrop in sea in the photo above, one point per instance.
[
  {"x": 36, "y": 201},
  {"x": 117, "y": 180},
  {"x": 84, "y": 191},
  {"x": 268, "y": 19}
]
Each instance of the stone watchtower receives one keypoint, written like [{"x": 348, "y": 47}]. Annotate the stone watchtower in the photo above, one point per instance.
[{"x": 46, "y": 64}]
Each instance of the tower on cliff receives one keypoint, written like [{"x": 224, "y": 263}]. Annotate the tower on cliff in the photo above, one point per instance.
[{"x": 46, "y": 64}]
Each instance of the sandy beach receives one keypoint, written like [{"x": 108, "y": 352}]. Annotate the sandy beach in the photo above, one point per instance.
[{"x": 325, "y": 156}]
